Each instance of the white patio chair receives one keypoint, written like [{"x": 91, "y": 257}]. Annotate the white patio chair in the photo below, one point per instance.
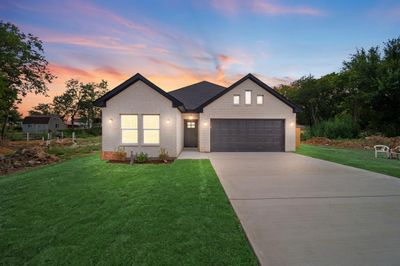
[
  {"x": 395, "y": 153},
  {"x": 382, "y": 149}
]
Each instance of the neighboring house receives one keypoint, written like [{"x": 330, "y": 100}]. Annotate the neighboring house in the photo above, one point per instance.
[
  {"x": 247, "y": 116},
  {"x": 42, "y": 124},
  {"x": 77, "y": 124}
]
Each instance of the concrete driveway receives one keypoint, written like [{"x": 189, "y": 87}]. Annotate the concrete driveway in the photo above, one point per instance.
[{"x": 298, "y": 210}]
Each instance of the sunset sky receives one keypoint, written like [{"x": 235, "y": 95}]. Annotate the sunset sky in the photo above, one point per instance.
[{"x": 176, "y": 42}]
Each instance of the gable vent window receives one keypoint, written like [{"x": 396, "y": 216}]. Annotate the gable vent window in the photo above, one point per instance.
[
  {"x": 260, "y": 99},
  {"x": 236, "y": 99},
  {"x": 151, "y": 129},
  {"x": 129, "y": 129},
  {"x": 247, "y": 97}
]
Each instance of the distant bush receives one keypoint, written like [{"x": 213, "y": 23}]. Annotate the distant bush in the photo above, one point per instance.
[
  {"x": 83, "y": 132},
  {"x": 339, "y": 127}
]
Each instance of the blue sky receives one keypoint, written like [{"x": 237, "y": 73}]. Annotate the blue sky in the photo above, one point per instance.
[{"x": 176, "y": 42}]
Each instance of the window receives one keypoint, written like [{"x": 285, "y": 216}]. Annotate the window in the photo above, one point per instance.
[
  {"x": 247, "y": 97},
  {"x": 190, "y": 124},
  {"x": 129, "y": 129},
  {"x": 260, "y": 99},
  {"x": 151, "y": 129},
  {"x": 236, "y": 99}
]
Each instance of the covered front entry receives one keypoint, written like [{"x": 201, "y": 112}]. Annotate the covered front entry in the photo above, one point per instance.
[
  {"x": 190, "y": 133},
  {"x": 247, "y": 135}
]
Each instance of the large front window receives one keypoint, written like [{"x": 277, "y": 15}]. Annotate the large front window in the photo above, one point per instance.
[
  {"x": 129, "y": 129},
  {"x": 151, "y": 129}
]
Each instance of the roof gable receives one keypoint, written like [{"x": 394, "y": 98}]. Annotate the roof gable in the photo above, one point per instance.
[
  {"x": 280, "y": 97},
  {"x": 41, "y": 120},
  {"x": 194, "y": 95},
  {"x": 102, "y": 101}
]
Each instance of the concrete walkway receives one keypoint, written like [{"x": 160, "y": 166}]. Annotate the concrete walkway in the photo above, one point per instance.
[{"x": 298, "y": 210}]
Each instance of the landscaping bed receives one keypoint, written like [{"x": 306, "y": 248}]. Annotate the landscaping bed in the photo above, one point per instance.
[{"x": 150, "y": 161}]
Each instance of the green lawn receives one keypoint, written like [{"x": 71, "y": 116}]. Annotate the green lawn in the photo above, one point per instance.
[
  {"x": 353, "y": 157},
  {"x": 86, "y": 211}
]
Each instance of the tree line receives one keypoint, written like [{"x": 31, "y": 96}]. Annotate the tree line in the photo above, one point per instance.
[
  {"x": 364, "y": 96},
  {"x": 76, "y": 102}
]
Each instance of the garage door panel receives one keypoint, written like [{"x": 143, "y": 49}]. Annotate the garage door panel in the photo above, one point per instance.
[{"x": 241, "y": 135}]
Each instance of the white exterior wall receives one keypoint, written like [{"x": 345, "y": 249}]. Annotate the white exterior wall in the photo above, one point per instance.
[
  {"x": 272, "y": 108},
  {"x": 141, "y": 99}
]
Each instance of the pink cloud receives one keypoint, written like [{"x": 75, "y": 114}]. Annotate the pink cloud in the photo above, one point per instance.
[
  {"x": 102, "y": 42},
  {"x": 230, "y": 7},
  {"x": 267, "y": 7}
]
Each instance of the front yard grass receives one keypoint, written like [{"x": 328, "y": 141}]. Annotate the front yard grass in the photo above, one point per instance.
[
  {"x": 363, "y": 159},
  {"x": 85, "y": 211}
]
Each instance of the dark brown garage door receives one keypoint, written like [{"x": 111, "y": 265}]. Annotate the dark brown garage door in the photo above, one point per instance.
[{"x": 246, "y": 135}]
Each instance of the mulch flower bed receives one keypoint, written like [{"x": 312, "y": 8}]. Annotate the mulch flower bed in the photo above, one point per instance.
[{"x": 151, "y": 161}]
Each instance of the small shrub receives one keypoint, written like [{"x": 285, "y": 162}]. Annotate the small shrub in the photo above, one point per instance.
[
  {"x": 120, "y": 154},
  {"x": 163, "y": 155},
  {"x": 141, "y": 157}
]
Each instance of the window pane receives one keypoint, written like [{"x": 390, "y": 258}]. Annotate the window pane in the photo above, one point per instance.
[
  {"x": 236, "y": 99},
  {"x": 247, "y": 98},
  {"x": 151, "y": 121},
  {"x": 260, "y": 99},
  {"x": 129, "y": 121},
  {"x": 151, "y": 136},
  {"x": 129, "y": 136}
]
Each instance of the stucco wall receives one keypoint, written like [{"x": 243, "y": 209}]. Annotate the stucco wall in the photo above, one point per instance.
[
  {"x": 223, "y": 107},
  {"x": 140, "y": 99}
]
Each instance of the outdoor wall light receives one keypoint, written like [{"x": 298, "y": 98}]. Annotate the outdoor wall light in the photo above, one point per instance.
[
  {"x": 205, "y": 124},
  {"x": 110, "y": 120},
  {"x": 291, "y": 124},
  {"x": 168, "y": 121},
  {"x": 190, "y": 117}
]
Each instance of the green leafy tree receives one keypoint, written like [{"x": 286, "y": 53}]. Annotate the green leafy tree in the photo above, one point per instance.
[
  {"x": 360, "y": 75},
  {"x": 386, "y": 100},
  {"x": 91, "y": 91},
  {"x": 42, "y": 109},
  {"x": 23, "y": 69},
  {"x": 77, "y": 101}
]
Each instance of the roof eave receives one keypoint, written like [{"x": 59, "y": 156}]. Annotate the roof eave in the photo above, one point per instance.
[{"x": 102, "y": 101}]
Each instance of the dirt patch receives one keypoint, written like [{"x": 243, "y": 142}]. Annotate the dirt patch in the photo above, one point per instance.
[
  {"x": 25, "y": 158},
  {"x": 362, "y": 143}
]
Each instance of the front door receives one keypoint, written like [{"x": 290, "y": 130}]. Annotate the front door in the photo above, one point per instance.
[{"x": 190, "y": 133}]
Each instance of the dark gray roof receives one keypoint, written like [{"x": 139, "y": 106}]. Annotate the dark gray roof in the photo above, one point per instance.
[
  {"x": 195, "y": 95},
  {"x": 37, "y": 119}
]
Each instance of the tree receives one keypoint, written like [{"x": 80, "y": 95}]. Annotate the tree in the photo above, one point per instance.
[
  {"x": 360, "y": 75},
  {"x": 91, "y": 91},
  {"x": 23, "y": 69},
  {"x": 386, "y": 101},
  {"x": 77, "y": 100},
  {"x": 42, "y": 109}
]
